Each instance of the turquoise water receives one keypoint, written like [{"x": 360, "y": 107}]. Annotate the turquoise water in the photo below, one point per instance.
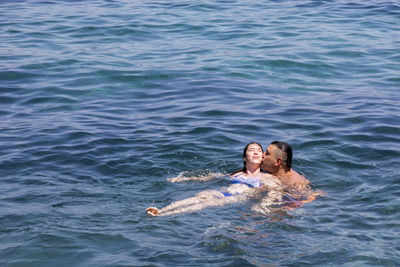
[{"x": 102, "y": 101}]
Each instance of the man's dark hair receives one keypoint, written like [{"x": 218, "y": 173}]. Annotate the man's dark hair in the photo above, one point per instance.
[{"x": 285, "y": 147}]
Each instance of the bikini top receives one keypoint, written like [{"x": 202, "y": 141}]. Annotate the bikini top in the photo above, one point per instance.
[{"x": 250, "y": 181}]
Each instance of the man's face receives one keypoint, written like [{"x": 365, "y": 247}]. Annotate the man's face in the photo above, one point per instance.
[
  {"x": 267, "y": 162},
  {"x": 268, "y": 158}
]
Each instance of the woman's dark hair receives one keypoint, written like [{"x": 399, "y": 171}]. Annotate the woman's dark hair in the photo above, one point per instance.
[
  {"x": 285, "y": 147},
  {"x": 244, "y": 155}
]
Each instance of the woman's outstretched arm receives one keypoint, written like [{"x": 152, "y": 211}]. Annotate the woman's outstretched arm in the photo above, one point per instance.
[{"x": 203, "y": 178}]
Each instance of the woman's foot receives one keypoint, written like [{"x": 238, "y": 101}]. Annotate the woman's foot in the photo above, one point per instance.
[{"x": 153, "y": 211}]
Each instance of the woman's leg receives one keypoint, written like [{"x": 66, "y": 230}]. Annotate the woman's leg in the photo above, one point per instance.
[{"x": 202, "y": 200}]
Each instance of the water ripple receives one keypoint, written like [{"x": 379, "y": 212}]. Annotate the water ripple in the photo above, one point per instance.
[{"x": 102, "y": 101}]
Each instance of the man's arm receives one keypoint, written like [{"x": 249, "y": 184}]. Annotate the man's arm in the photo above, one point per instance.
[{"x": 297, "y": 181}]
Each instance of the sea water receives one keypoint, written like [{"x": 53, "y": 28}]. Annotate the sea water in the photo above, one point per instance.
[{"x": 102, "y": 101}]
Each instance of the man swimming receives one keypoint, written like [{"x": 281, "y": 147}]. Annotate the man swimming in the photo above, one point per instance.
[{"x": 277, "y": 160}]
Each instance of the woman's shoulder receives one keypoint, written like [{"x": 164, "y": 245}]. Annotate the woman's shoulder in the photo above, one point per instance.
[{"x": 236, "y": 173}]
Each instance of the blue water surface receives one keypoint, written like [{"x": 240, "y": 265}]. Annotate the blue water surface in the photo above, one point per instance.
[{"x": 102, "y": 101}]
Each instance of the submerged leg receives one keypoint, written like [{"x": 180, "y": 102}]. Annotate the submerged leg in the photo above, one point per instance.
[{"x": 266, "y": 204}]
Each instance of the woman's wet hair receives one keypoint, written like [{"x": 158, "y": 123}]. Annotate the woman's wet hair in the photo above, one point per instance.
[
  {"x": 244, "y": 169},
  {"x": 285, "y": 147}
]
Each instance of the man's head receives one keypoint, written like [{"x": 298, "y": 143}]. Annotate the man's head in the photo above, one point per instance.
[{"x": 278, "y": 155}]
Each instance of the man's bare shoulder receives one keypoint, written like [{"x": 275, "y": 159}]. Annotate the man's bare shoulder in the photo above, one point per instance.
[{"x": 298, "y": 179}]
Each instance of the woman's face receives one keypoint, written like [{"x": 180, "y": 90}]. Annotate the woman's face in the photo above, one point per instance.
[{"x": 253, "y": 154}]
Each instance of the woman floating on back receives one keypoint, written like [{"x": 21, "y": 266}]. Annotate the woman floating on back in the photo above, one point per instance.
[{"x": 245, "y": 184}]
